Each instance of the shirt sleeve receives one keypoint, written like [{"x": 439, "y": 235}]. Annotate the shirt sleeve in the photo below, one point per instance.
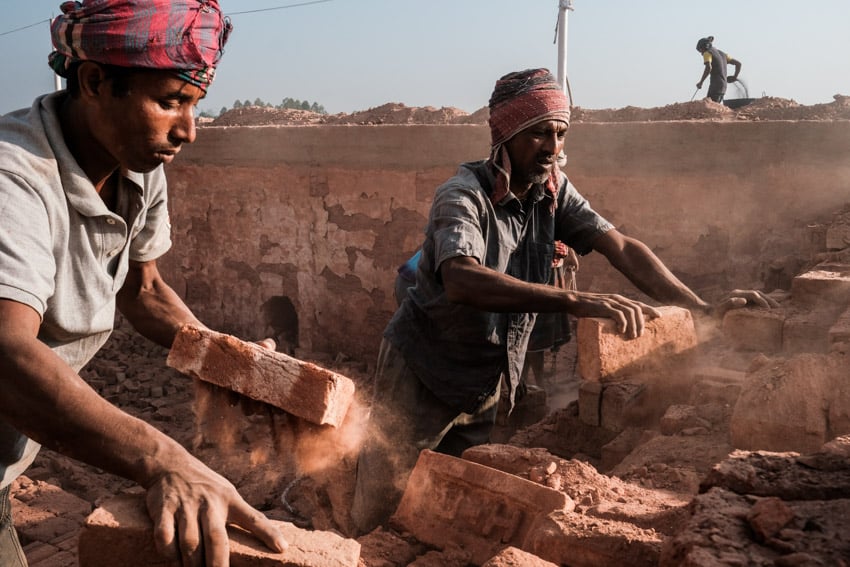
[
  {"x": 706, "y": 57},
  {"x": 456, "y": 224},
  {"x": 576, "y": 223},
  {"x": 154, "y": 238},
  {"x": 26, "y": 256}
]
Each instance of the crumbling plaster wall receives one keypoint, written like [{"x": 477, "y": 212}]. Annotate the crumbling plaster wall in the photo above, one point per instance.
[{"x": 316, "y": 218}]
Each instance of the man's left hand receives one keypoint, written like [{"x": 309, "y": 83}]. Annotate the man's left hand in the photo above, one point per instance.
[{"x": 738, "y": 298}]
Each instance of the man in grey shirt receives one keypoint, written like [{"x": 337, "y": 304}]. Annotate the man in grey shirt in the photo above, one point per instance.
[
  {"x": 482, "y": 277},
  {"x": 84, "y": 209}
]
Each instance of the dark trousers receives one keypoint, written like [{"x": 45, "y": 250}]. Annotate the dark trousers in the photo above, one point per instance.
[
  {"x": 406, "y": 418},
  {"x": 11, "y": 554}
]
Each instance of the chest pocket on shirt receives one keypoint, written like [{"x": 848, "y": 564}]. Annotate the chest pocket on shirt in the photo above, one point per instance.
[{"x": 532, "y": 261}]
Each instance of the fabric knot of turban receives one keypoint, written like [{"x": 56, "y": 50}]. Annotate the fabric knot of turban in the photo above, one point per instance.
[
  {"x": 185, "y": 36},
  {"x": 520, "y": 100}
]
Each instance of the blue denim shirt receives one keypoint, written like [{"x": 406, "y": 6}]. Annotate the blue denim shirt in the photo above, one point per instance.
[{"x": 459, "y": 352}]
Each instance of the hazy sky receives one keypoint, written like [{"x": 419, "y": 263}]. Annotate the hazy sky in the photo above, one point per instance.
[{"x": 350, "y": 55}]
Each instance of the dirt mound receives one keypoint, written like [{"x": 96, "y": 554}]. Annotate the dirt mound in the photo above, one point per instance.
[
  {"x": 772, "y": 108},
  {"x": 696, "y": 110},
  {"x": 390, "y": 113},
  {"x": 266, "y": 116},
  {"x": 396, "y": 113},
  {"x": 765, "y": 108}
]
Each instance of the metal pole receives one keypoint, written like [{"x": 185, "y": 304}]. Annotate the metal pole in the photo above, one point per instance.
[{"x": 563, "y": 6}]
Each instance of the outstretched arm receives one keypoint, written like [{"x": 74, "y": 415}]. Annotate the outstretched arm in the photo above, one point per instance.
[
  {"x": 45, "y": 399},
  {"x": 468, "y": 282},
  {"x": 648, "y": 273}
]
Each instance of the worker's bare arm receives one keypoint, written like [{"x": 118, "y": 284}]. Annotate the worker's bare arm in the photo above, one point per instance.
[
  {"x": 737, "y": 64},
  {"x": 45, "y": 399},
  {"x": 649, "y": 274},
  {"x": 645, "y": 270},
  {"x": 151, "y": 305},
  {"x": 705, "y": 73},
  {"x": 467, "y": 282}
]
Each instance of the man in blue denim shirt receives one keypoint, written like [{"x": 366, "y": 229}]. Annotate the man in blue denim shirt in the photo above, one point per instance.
[{"x": 482, "y": 277}]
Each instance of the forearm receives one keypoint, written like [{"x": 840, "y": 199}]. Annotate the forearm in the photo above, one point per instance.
[
  {"x": 649, "y": 274},
  {"x": 152, "y": 306},
  {"x": 469, "y": 283},
  {"x": 46, "y": 400}
]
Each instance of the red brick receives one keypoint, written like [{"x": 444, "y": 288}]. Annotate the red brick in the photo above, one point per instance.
[
  {"x": 622, "y": 403},
  {"x": 824, "y": 284},
  {"x": 754, "y": 329},
  {"x": 451, "y": 501},
  {"x": 301, "y": 388},
  {"x": 807, "y": 331},
  {"x": 120, "y": 532},
  {"x": 590, "y": 402},
  {"x": 604, "y": 354}
]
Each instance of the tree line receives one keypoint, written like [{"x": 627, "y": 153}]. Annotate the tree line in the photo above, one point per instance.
[{"x": 287, "y": 102}]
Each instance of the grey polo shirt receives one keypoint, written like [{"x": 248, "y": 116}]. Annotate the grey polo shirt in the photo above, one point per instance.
[
  {"x": 62, "y": 252},
  {"x": 457, "y": 351}
]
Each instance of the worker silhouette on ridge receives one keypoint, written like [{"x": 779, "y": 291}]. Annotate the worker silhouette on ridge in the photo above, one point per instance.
[{"x": 715, "y": 66}]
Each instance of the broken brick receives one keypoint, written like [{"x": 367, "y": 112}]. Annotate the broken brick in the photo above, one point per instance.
[{"x": 449, "y": 500}]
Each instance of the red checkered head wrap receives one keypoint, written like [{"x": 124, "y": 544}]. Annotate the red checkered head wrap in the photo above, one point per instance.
[
  {"x": 186, "y": 36},
  {"x": 520, "y": 100}
]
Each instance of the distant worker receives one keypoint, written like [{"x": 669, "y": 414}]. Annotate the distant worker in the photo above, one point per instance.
[{"x": 715, "y": 66}]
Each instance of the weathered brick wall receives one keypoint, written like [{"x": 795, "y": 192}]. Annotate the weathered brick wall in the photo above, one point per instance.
[{"x": 277, "y": 224}]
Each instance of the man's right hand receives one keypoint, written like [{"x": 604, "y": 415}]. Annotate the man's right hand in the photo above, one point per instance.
[
  {"x": 191, "y": 508},
  {"x": 629, "y": 315}
]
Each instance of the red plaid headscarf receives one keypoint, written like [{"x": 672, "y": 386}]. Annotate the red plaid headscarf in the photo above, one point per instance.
[
  {"x": 520, "y": 100},
  {"x": 186, "y": 36}
]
